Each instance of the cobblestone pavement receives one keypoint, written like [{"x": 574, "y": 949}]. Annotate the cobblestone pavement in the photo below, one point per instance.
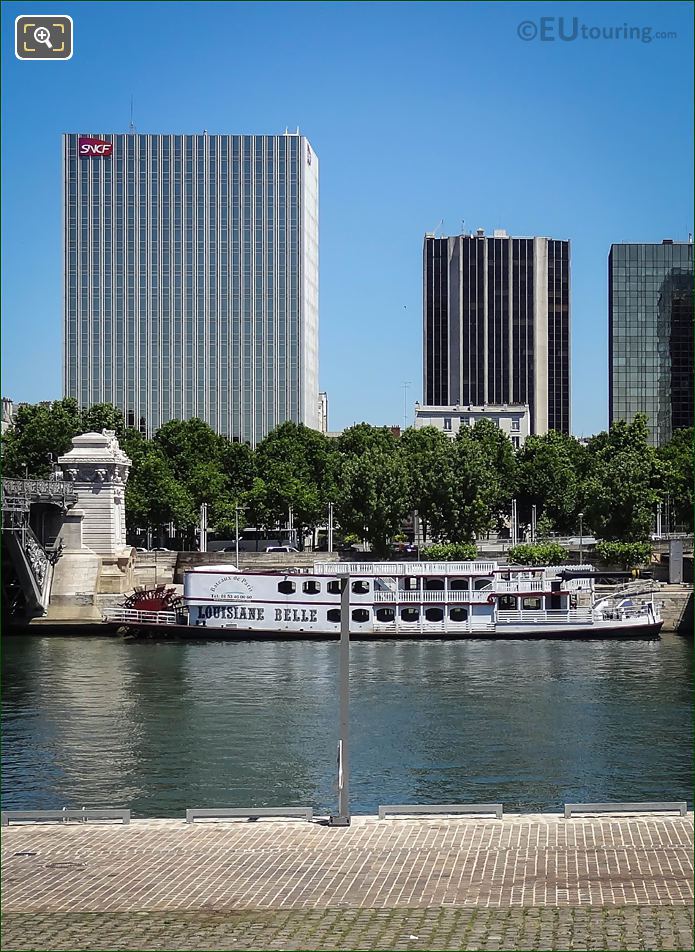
[
  {"x": 521, "y": 860},
  {"x": 626, "y": 927},
  {"x": 524, "y": 882}
]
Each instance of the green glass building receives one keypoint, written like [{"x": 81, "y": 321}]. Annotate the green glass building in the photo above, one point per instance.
[{"x": 650, "y": 344}]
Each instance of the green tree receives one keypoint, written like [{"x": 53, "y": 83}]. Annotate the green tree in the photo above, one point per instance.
[
  {"x": 361, "y": 437},
  {"x": 186, "y": 443},
  {"x": 470, "y": 488},
  {"x": 426, "y": 454},
  {"x": 41, "y": 432},
  {"x": 238, "y": 464},
  {"x": 627, "y": 554},
  {"x": 297, "y": 466},
  {"x": 550, "y": 474},
  {"x": 103, "y": 416},
  {"x": 496, "y": 455},
  {"x": 624, "y": 482},
  {"x": 677, "y": 460},
  {"x": 155, "y": 497},
  {"x": 373, "y": 496}
]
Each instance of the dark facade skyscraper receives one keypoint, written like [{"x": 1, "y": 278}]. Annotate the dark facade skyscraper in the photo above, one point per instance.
[
  {"x": 191, "y": 278},
  {"x": 497, "y": 324},
  {"x": 650, "y": 343}
]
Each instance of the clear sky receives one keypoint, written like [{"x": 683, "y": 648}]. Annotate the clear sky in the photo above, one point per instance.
[{"x": 418, "y": 112}]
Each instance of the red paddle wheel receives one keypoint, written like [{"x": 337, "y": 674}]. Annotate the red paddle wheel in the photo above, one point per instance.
[{"x": 159, "y": 599}]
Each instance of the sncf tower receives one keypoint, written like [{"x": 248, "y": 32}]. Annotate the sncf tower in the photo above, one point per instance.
[{"x": 191, "y": 278}]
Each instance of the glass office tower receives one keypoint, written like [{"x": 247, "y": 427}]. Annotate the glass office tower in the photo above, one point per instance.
[
  {"x": 650, "y": 342},
  {"x": 497, "y": 324},
  {"x": 191, "y": 278}
]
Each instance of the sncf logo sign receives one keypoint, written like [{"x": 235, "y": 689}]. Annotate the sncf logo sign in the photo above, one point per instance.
[{"x": 87, "y": 147}]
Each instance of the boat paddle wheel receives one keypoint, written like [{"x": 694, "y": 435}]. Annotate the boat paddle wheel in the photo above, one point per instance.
[{"x": 159, "y": 599}]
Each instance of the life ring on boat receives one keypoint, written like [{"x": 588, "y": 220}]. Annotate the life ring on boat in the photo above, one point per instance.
[{"x": 491, "y": 599}]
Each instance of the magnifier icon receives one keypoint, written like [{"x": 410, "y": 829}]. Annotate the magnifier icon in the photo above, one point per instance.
[{"x": 43, "y": 35}]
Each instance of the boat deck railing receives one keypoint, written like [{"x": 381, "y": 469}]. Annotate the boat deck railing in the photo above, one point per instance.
[
  {"x": 133, "y": 616},
  {"x": 566, "y": 616},
  {"x": 438, "y": 596},
  {"x": 404, "y": 568}
]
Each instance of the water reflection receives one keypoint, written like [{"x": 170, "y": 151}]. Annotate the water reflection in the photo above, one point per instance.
[{"x": 164, "y": 726}]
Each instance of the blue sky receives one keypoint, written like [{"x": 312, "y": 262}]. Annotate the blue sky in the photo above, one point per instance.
[{"x": 418, "y": 111}]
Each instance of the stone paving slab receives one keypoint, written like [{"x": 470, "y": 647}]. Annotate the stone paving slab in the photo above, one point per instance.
[
  {"x": 521, "y": 861},
  {"x": 623, "y": 928}
]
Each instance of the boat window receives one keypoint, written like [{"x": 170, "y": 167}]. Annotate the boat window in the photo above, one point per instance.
[
  {"x": 434, "y": 584},
  {"x": 333, "y": 614},
  {"x": 409, "y": 583},
  {"x": 481, "y": 583},
  {"x": 333, "y": 587},
  {"x": 360, "y": 588},
  {"x": 286, "y": 587},
  {"x": 360, "y": 614},
  {"x": 410, "y": 614},
  {"x": 312, "y": 587},
  {"x": 507, "y": 603},
  {"x": 434, "y": 614},
  {"x": 385, "y": 614},
  {"x": 458, "y": 614},
  {"x": 458, "y": 584},
  {"x": 531, "y": 604}
]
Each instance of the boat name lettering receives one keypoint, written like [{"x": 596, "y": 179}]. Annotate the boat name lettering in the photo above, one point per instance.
[
  {"x": 236, "y": 612},
  {"x": 218, "y": 589},
  {"x": 296, "y": 614}
]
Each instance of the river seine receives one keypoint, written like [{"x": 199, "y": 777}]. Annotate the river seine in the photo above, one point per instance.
[{"x": 161, "y": 726}]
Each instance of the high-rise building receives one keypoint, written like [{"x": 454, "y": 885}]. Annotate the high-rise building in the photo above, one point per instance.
[
  {"x": 191, "y": 278},
  {"x": 650, "y": 336},
  {"x": 497, "y": 324}
]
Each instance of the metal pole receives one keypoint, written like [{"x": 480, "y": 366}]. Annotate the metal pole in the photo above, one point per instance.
[
  {"x": 533, "y": 523},
  {"x": 203, "y": 543},
  {"x": 514, "y": 531},
  {"x": 581, "y": 538},
  {"x": 342, "y": 818},
  {"x": 330, "y": 527},
  {"x": 236, "y": 524}
]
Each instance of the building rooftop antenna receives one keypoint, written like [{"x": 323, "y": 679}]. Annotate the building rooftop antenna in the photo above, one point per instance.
[{"x": 131, "y": 127}]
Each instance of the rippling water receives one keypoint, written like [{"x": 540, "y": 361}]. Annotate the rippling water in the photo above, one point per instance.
[{"x": 159, "y": 727}]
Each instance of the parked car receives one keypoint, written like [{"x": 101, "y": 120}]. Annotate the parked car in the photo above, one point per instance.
[
  {"x": 281, "y": 548},
  {"x": 161, "y": 548},
  {"x": 141, "y": 549}
]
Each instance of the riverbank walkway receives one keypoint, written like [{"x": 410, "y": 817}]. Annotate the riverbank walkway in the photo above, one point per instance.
[{"x": 522, "y": 882}]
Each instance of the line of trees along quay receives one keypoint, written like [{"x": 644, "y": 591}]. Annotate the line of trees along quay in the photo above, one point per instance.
[{"x": 461, "y": 488}]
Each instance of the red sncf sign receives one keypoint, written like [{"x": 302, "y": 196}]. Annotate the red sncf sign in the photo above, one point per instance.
[{"x": 87, "y": 147}]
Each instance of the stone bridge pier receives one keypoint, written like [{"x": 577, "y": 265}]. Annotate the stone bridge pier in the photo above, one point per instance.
[
  {"x": 95, "y": 559},
  {"x": 64, "y": 539}
]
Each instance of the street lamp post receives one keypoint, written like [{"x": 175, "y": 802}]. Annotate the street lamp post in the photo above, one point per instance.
[
  {"x": 342, "y": 818},
  {"x": 330, "y": 528},
  {"x": 236, "y": 533},
  {"x": 581, "y": 538},
  {"x": 533, "y": 523},
  {"x": 203, "y": 539}
]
